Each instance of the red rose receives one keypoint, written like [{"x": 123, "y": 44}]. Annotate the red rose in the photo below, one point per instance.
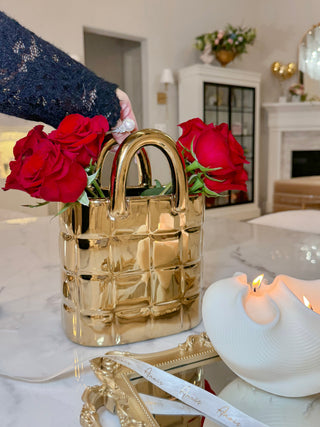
[
  {"x": 215, "y": 147},
  {"x": 212, "y": 151},
  {"x": 236, "y": 150},
  {"x": 191, "y": 130},
  {"x": 80, "y": 137},
  {"x": 233, "y": 181},
  {"x": 43, "y": 171}
]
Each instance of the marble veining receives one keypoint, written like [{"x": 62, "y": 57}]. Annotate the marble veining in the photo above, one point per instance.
[
  {"x": 33, "y": 345},
  {"x": 270, "y": 409}
]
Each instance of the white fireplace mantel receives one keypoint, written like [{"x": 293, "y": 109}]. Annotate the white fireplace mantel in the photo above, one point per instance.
[{"x": 291, "y": 126}]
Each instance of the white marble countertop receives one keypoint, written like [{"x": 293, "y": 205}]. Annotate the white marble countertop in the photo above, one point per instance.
[{"x": 33, "y": 344}]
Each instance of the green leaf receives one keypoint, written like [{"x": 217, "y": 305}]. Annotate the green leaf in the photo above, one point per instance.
[
  {"x": 183, "y": 147},
  {"x": 153, "y": 191},
  {"x": 192, "y": 150},
  {"x": 214, "y": 179},
  {"x": 196, "y": 165},
  {"x": 65, "y": 207},
  {"x": 91, "y": 192},
  {"x": 83, "y": 199},
  {"x": 158, "y": 190},
  {"x": 196, "y": 186},
  {"x": 97, "y": 187},
  {"x": 91, "y": 168},
  {"x": 36, "y": 206},
  {"x": 203, "y": 169},
  {"x": 193, "y": 166},
  {"x": 195, "y": 177},
  {"x": 90, "y": 178},
  {"x": 167, "y": 189},
  {"x": 210, "y": 192}
]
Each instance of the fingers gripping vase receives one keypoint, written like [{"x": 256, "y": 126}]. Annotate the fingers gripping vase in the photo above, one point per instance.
[{"x": 132, "y": 264}]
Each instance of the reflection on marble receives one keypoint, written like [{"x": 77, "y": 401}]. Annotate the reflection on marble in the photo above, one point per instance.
[
  {"x": 306, "y": 220},
  {"x": 270, "y": 409},
  {"x": 51, "y": 404},
  {"x": 33, "y": 344},
  {"x": 232, "y": 246}
]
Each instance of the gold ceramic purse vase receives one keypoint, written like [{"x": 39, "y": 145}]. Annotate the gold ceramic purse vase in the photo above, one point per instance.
[{"x": 131, "y": 264}]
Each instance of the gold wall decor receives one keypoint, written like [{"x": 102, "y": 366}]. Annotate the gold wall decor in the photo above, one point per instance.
[
  {"x": 282, "y": 71},
  {"x": 131, "y": 264},
  {"x": 120, "y": 388}
]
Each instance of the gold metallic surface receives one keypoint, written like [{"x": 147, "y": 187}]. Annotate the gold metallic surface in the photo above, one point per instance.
[
  {"x": 162, "y": 98},
  {"x": 120, "y": 388},
  {"x": 225, "y": 56},
  {"x": 282, "y": 71},
  {"x": 143, "y": 164},
  {"x": 122, "y": 161},
  {"x": 136, "y": 276}
]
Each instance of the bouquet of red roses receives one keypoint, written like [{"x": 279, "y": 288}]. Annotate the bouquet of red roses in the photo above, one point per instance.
[
  {"x": 57, "y": 167},
  {"x": 61, "y": 166}
]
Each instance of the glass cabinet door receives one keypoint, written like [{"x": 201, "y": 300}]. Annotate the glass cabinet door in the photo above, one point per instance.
[{"x": 234, "y": 105}]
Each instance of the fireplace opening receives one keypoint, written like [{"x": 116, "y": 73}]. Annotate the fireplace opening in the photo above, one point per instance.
[{"x": 305, "y": 163}]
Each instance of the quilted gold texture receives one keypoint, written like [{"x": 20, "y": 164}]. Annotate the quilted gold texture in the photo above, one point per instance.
[
  {"x": 141, "y": 277},
  {"x": 131, "y": 265}
]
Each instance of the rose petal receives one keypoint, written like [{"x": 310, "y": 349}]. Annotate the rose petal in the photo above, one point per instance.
[{"x": 81, "y": 137}]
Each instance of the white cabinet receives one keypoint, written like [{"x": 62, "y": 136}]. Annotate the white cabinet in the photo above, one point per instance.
[{"x": 221, "y": 95}]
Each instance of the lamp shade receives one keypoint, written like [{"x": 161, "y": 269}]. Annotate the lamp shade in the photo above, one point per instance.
[{"x": 167, "y": 76}]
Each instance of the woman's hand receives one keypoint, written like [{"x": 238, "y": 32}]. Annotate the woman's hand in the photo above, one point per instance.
[{"x": 126, "y": 112}]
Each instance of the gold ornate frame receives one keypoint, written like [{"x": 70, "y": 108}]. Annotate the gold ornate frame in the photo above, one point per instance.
[
  {"x": 308, "y": 31},
  {"x": 119, "y": 391}
]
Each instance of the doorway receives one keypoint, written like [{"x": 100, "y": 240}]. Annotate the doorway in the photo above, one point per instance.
[{"x": 117, "y": 60}]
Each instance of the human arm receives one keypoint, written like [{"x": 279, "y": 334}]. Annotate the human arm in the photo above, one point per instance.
[
  {"x": 125, "y": 113},
  {"x": 40, "y": 82}
]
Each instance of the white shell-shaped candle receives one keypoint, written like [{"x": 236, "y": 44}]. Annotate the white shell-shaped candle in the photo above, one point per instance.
[{"x": 268, "y": 336}]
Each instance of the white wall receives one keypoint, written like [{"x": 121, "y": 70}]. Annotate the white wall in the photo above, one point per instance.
[
  {"x": 95, "y": 47},
  {"x": 169, "y": 28}
]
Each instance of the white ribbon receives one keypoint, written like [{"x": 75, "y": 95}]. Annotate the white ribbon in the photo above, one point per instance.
[
  {"x": 160, "y": 406},
  {"x": 204, "y": 402}
]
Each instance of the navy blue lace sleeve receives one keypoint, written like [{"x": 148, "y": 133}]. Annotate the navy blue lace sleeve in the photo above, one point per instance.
[{"x": 40, "y": 82}]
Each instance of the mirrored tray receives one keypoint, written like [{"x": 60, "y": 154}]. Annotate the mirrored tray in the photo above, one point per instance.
[
  {"x": 120, "y": 390},
  {"x": 195, "y": 360}
]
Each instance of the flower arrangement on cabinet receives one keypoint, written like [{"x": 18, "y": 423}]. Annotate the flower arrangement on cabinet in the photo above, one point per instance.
[
  {"x": 297, "y": 92},
  {"x": 231, "y": 39},
  {"x": 61, "y": 166}
]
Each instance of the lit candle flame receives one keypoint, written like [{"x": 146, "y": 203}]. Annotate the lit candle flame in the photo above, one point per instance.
[
  {"x": 306, "y": 302},
  {"x": 256, "y": 283}
]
